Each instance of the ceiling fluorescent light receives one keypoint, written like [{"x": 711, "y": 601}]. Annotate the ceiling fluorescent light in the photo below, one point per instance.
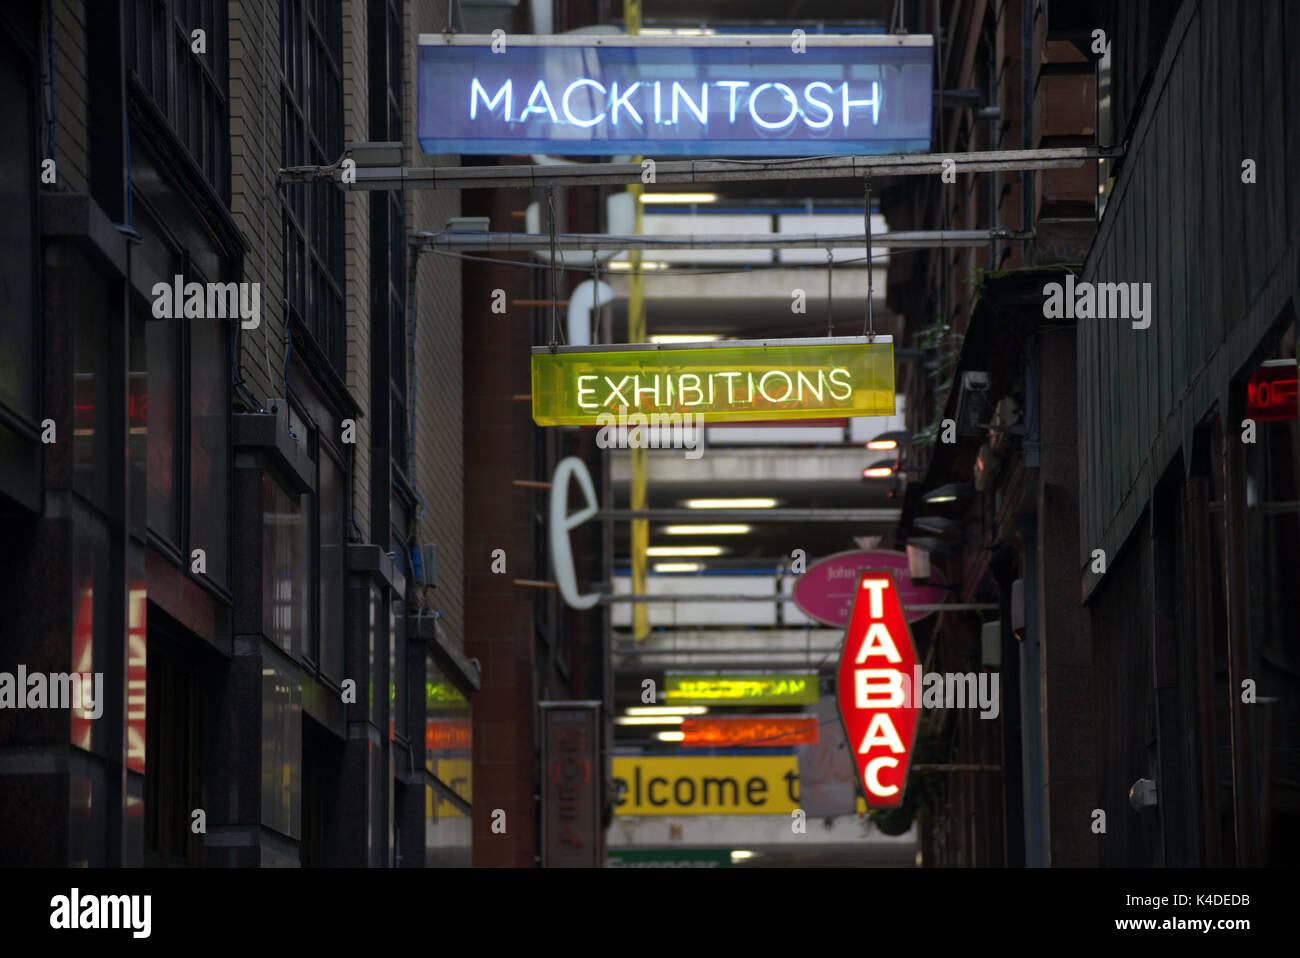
[
  {"x": 720, "y": 529},
  {"x": 678, "y": 566},
  {"x": 731, "y": 503},
  {"x": 685, "y": 338},
  {"x": 680, "y": 198},
  {"x": 664, "y": 552}
]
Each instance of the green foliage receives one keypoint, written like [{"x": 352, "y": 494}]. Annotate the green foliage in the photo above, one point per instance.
[{"x": 945, "y": 345}]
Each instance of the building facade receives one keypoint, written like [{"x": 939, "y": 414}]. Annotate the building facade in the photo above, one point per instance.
[
  {"x": 232, "y": 428},
  {"x": 1120, "y": 487}
]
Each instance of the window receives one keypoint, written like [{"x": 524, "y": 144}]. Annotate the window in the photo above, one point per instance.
[
  {"x": 173, "y": 739},
  {"x": 18, "y": 268},
  {"x": 92, "y": 311},
  {"x": 398, "y": 667},
  {"x": 163, "y": 347},
  {"x": 387, "y": 227},
  {"x": 182, "y": 402},
  {"x": 209, "y": 442},
  {"x": 311, "y": 35},
  {"x": 448, "y": 731},
  {"x": 1105, "y": 130},
  {"x": 333, "y": 542},
  {"x": 448, "y": 741},
  {"x": 281, "y": 749},
  {"x": 286, "y": 567},
  {"x": 188, "y": 88},
  {"x": 321, "y": 524}
]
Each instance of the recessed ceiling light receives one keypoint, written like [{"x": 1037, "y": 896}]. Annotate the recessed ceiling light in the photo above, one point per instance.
[
  {"x": 667, "y": 710},
  {"x": 646, "y": 266},
  {"x": 668, "y": 551},
  {"x": 665, "y": 338},
  {"x": 757, "y": 503},
  {"x": 719, "y": 529},
  {"x": 678, "y": 566},
  {"x": 679, "y": 198}
]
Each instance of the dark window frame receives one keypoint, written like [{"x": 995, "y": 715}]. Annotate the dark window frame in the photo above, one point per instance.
[
  {"x": 389, "y": 295},
  {"x": 311, "y": 126},
  {"x": 318, "y": 445},
  {"x": 182, "y": 433},
  {"x": 25, "y": 423},
  {"x": 175, "y": 675},
  {"x": 189, "y": 91}
]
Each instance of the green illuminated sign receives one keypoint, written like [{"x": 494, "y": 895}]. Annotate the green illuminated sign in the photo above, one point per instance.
[
  {"x": 827, "y": 378},
  {"x": 739, "y": 688},
  {"x": 442, "y": 693},
  {"x": 669, "y": 858}
]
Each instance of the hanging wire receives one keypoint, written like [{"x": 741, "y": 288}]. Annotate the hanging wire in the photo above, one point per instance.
[
  {"x": 870, "y": 330},
  {"x": 830, "y": 260},
  {"x": 595, "y": 298},
  {"x": 555, "y": 316}
]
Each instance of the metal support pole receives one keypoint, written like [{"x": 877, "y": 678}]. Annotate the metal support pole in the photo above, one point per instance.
[
  {"x": 870, "y": 329},
  {"x": 1245, "y": 754},
  {"x": 638, "y": 493}
]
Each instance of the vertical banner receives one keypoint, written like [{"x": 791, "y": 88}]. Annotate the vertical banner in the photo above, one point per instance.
[
  {"x": 874, "y": 688},
  {"x": 571, "y": 780}
]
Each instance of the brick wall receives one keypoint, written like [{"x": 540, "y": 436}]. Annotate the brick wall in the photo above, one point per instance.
[
  {"x": 356, "y": 246},
  {"x": 436, "y": 389},
  {"x": 254, "y": 196},
  {"x": 70, "y": 95}
]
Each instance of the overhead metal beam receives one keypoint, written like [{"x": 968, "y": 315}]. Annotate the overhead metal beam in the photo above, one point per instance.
[
  {"x": 630, "y": 652},
  {"x": 610, "y": 598},
  {"x": 477, "y": 241},
  {"x": 718, "y": 40},
  {"x": 756, "y": 515},
  {"x": 527, "y": 176}
]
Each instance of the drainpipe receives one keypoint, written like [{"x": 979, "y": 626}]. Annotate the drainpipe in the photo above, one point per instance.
[
  {"x": 1027, "y": 110},
  {"x": 1031, "y": 659}
]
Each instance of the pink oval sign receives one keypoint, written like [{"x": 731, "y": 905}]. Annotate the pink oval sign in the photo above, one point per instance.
[{"x": 825, "y": 591}]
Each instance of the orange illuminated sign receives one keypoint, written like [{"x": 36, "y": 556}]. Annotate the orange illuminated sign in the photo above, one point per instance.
[
  {"x": 442, "y": 735},
  {"x": 751, "y": 730},
  {"x": 876, "y": 663}
]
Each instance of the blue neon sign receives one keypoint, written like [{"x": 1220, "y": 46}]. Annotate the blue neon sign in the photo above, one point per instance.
[{"x": 699, "y": 96}]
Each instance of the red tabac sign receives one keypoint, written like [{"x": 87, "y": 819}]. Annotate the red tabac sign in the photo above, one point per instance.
[
  {"x": 875, "y": 676},
  {"x": 1271, "y": 392}
]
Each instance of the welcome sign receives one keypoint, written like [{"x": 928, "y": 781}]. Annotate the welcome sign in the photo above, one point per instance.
[
  {"x": 730, "y": 381},
  {"x": 725, "y": 95}
]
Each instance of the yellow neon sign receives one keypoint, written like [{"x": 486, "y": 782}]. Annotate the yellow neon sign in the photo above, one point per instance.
[
  {"x": 708, "y": 785},
  {"x": 784, "y": 689},
  {"x": 787, "y": 379}
]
